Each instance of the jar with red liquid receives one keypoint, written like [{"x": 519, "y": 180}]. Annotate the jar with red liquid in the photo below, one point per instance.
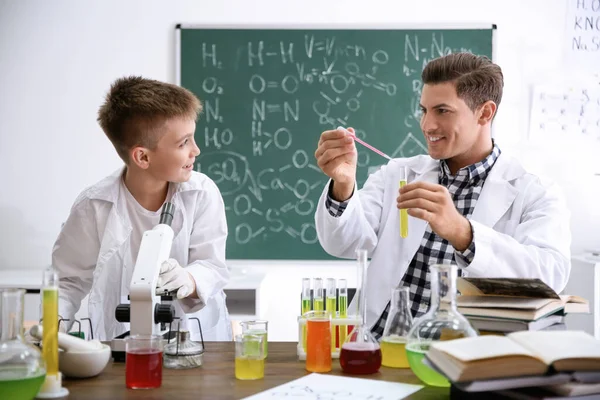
[
  {"x": 361, "y": 353},
  {"x": 144, "y": 361}
]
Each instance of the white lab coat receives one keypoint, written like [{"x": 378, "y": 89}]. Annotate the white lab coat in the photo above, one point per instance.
[
  {"x": 93, "y": 246},
  {"x": 520, "y": 228}
]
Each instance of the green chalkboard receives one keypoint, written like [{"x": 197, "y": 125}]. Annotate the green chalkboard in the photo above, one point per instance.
[{"x": 269, "y": 93}]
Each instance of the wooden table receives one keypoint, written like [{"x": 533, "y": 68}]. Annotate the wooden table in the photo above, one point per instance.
[{"x": 215, "y": 380}]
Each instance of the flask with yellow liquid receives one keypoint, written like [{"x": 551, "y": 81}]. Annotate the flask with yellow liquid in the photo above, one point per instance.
[{"x": 397, "y": 326}]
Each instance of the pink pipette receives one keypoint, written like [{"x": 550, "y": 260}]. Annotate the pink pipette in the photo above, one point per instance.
[{"x": 367, "y": 145}]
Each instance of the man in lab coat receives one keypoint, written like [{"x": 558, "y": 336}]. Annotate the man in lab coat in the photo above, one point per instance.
[
  {"x": 468, "y": 203},
  {"x": 151, "y": 125}
]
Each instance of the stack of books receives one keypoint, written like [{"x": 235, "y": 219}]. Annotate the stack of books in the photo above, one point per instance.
[
  {"x": 504, "y": 305},
  {"x": 549, "y": 364}
]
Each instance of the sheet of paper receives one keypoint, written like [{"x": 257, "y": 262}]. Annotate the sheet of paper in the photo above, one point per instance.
[
  {"x": 331, "y": 387},
  {"x": 582, "y": 35},
  {"x": 565, "y": 111}
]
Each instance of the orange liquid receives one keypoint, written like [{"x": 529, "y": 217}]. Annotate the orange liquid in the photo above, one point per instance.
[{"x": 318, "y": 346}]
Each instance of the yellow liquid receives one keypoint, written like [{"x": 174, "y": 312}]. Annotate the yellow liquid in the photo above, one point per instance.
[
  {"x": 50, "y": 330},
  {"x": 305, "y": 309},
  {"x": 343, "y": 305},
  {"x": 248, "y": 368},
  {"x": 403, "y": 217},
  {"x": 331, "y": 308},
  {"x": 318, "y": 304},
  {"x": 393, "y": 351}
]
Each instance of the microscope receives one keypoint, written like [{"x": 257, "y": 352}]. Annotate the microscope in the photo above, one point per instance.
[{"x": 146, "y": 313}]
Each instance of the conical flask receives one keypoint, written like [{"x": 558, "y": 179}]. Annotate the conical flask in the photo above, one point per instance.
[
  {"x": 441, "y": 322},
  {"x": 361, "y": 354},
  {"x": 22, "y": 368},
  {"x": 397, "y": 326}
]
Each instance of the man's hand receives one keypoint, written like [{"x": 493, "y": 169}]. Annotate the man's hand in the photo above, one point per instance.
[
  {"x": 336, "y": 156},
  {"x": 433, "y": 203},
  {"x": 174, "y": 277}
]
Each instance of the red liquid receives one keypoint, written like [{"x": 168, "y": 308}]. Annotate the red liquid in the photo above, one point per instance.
[
  {"x": 143, "y": 369},
  {"x": 360, "y": 358}
]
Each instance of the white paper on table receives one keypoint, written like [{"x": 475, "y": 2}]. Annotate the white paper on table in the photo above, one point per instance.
[{"x": 319, "y": 386}]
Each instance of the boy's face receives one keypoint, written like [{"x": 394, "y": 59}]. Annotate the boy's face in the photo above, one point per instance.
[
  {"x": 173, "y": 158},
  {"x": 450, "y": 127}
]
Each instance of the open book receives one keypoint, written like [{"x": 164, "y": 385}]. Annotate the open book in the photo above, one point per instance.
[
  {"x": 516, "y": 354},
  {"x": 514, "y": 298}
]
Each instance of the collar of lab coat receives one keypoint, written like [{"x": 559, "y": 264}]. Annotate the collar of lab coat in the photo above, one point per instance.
[
  {"x": 109, "y": 190},
  {"x": 498, "y": 191}
]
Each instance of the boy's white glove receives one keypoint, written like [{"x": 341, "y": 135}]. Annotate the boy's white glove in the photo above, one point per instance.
[{"x": 174, "y": 277}]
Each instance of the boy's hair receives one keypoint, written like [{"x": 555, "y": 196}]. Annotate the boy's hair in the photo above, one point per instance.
[
  {"x": 135, "y": 108},
  {"x": 476, "y": 78}
]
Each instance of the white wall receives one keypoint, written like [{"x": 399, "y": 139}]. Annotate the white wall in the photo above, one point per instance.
[{"x": 58, "y": 58}]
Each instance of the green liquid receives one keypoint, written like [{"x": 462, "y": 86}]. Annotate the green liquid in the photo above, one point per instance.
[
  {"x": 415, "y": 354},
  {"x": 250, "y": 347},
  {"x": 331, "y": 308},
  {"x": 318, "y": 304},
  {"x": 305, "y": 306},
  {"x": 343, "y": 304},
  {"x": 14, "y": 387}
]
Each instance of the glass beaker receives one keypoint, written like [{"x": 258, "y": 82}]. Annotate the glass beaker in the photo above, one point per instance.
[
  {"x": 441, "y": 322},
  {"x": 260, "y": 328},
  {"x": 143, "y": 361},
  {"x": 318, "y": 341},
  {"x": 249, "y": 357},
  {"x": 361, "y": 354},
  {"x": 397, "y": 326},
  {"x": 22, "y": 368}
]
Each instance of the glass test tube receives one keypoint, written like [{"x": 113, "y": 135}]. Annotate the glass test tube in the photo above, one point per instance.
[
  {"x": 331, "y": 307},
  {"x": 306, "y": 306},
  {"x": 318, "y": 301},
  {"x": 343, "y": 308},
  {"x": 404, "y": 211},
  {"x": 50, "y": 322}
]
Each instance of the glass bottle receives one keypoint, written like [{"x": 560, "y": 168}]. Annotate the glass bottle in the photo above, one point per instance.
[
  {"x": 22, "y": 368},
  {"x": 441, "y": 322},
  {"x": 397, "y": 326},
  {"x": 361, "y": 353}
]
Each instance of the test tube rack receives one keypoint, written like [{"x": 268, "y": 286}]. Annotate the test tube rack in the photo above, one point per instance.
[{"x": 335, "y": 353}]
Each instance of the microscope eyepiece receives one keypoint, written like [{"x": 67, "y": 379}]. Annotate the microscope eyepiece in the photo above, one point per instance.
[{"x": 167, "y": 213}]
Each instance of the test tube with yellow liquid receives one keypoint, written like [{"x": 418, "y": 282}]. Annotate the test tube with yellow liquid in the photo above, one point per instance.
[
  {"x": 318, "y": 301},
  {"x": 343, "y": 308},
  {"x": 52, "y": 386},
  {"x": 306, "y": 306},
  {"x": 404, "y": 211},
  {"x": 330, "y": 305}
]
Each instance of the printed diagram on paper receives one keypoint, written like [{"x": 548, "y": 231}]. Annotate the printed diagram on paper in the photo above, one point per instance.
[{"x": 565, "y": 111}]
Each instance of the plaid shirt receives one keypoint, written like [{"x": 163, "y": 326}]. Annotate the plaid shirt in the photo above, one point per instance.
[{"x": 464, "y": 187}]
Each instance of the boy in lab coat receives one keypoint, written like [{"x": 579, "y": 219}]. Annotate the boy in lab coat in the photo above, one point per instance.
[
  {"x": 468, "y": 203},
  {"x": 151, "y": 124}
]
